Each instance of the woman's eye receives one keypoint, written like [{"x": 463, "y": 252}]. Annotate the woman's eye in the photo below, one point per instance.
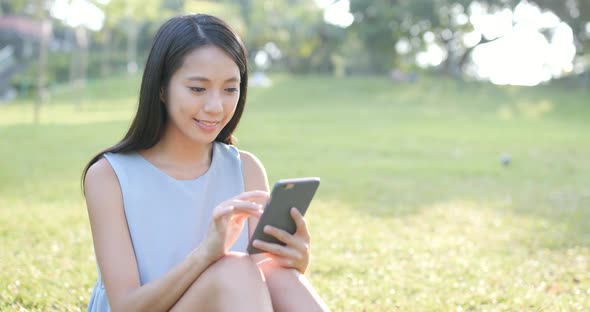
[
  {"x": 197, "y": 89},
  {"x": 232, "y": 90}
]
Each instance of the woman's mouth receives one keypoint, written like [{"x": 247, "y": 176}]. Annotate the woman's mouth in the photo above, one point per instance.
[{"x": 207, "y": 125}]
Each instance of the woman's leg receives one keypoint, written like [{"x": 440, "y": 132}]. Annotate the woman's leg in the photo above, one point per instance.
[
  {"x": 233, "y": 283},
  {"x": 289, "y": 289}
]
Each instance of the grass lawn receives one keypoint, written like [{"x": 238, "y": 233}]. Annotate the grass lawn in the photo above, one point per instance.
[{"x": 415, "y": 212}]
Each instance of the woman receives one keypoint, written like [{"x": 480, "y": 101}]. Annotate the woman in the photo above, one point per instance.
[{"x": 168, "y": 204}]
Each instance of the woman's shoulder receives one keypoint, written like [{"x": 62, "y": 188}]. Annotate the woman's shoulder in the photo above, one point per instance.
[
  {"x": 253, "y": 171},
  {"x": 110, "y": 163},
  {"x": 250, "y": 161},
  {"x": 100, "y": 169},
  {"x": 99, "y": 174},
  {"x": 230, "y": 151},
  {"x": 110, "y": 168},
  {"x": 249, "y": 158}
]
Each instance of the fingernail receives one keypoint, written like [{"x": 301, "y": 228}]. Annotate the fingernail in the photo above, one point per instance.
[{"x": 267, "y": 228}]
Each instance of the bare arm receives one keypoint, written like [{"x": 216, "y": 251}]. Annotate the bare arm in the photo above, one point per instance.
[
  {"x": 114, "y": 250},
  {"x": 115, "y": 256},
  {"x": 254, "y": 179}
]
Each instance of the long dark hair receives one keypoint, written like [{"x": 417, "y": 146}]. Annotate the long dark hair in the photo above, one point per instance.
[{"x": 174, "y": 40}]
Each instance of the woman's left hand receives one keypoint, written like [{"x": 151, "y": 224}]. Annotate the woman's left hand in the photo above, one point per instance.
[{"x": 296, "y": 253}]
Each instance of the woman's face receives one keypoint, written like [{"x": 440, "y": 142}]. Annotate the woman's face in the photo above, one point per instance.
[{"x": 203, "y": 94}]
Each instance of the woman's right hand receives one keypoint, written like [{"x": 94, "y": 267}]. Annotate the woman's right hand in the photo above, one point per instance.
[{"x": 228, "y": 221}]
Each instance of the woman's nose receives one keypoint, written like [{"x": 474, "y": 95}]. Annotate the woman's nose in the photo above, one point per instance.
[{"x": 214, "y": 103}]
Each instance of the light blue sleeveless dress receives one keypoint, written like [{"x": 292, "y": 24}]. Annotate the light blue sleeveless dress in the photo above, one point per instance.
[{"x": 168, "y": 218}]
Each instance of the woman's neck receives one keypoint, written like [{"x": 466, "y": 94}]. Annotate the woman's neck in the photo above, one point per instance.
[{"x": 177, "y": 150}]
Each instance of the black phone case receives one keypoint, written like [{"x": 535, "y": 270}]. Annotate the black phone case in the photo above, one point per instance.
[{"x": 285, "y": 194}]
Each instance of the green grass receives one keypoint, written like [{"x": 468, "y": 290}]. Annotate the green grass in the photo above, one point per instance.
[{"x": 415, "y": 211}]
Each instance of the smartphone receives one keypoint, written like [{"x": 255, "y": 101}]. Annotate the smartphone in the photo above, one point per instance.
[{"x": 285, "y": 194}]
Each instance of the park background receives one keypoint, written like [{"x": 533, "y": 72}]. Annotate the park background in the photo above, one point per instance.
[{"x": 452, "y": 139}]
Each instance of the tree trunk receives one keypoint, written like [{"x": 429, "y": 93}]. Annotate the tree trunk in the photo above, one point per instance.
[
  {"x": 82, "y": 75},
  {"x": 246, "y": 11},
  {"x": 466, "y": 56},
  {"x": 41, "y": 98},
  {"x": 132, "y": 32},
  {"x": 74, "y": 62},
  {"x": 82, "y": 40},
  {"x": 105, "y": 66}
]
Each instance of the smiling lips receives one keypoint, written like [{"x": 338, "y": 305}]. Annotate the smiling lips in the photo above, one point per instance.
[{"x": 207, "y": 125}]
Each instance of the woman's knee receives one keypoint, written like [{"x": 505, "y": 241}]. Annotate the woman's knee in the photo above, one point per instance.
[
  {"x": 290, "y": 290},
  {"x": 234, "y": 271},
  {"x": 273, "y": 271},
  {"x": 231, "y": 283}
]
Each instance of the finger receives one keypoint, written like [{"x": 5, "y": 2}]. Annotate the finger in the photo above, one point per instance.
[
  {"x": 238, "y": 218},
  {"x": 253, "y": 195},
  {"x": 285, "y": 237},
  {"x": 247, "y": 212},
  {"x": 244, "y": 204},
  {"x": 250, "y": 208},
  {"x": 283, "y": 262},
  {"x": 237, "y": 211},
  {"x": 237, "y": 206},
  {"x": 300, "y": 222},
  {"x": 286, "y": 262},
  {"x": 222, "y": 210},
  {"x": 276, "y": 249}
]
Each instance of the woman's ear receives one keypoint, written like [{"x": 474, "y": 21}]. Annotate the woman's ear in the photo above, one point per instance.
[{"x": 162, "y": 96}]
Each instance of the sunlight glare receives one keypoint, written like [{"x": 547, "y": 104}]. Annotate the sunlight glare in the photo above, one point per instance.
[
  {"x": 518, "y": 58},
  {"x": 79, "y": 13},
  {"x": 521, "y": 55},
  {"x": 336, "y": 12},
  {"x": 492, "y": 25},
  {"x": 471, "y": 39},
  {"x": 561, "y": 50},
  {"x": 433, "y": 56}
]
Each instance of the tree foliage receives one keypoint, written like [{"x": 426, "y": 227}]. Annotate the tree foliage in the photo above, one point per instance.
[
  {"x": 306, "y": 42},
  {"x": 576, "y": 13}
]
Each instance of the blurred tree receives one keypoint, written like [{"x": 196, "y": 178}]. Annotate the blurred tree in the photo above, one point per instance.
[
  {"x": 575, "y": 13},
  {"x": 114, "y": 13},
  {"x": 381, "y": 24},
  {"x": 446, "y": 22},
  {"x": 377, "y": 23},
  {"x": 13, "y": 7},
  {"x": 173, "y": 6},
  {"x": 129, "y": 16},
  {"x": 42, "y": 13},
  {"x": 137, "y": 11},
  {"x": 227, "y": 10},
  {"x": 79, "y": 59},
  {"x": 246, "y": 11},
  {"x": 296, "y": 28}
]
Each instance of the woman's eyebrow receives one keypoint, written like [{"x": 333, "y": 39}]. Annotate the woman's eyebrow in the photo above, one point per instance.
[{"x": 205, "y": 79}]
